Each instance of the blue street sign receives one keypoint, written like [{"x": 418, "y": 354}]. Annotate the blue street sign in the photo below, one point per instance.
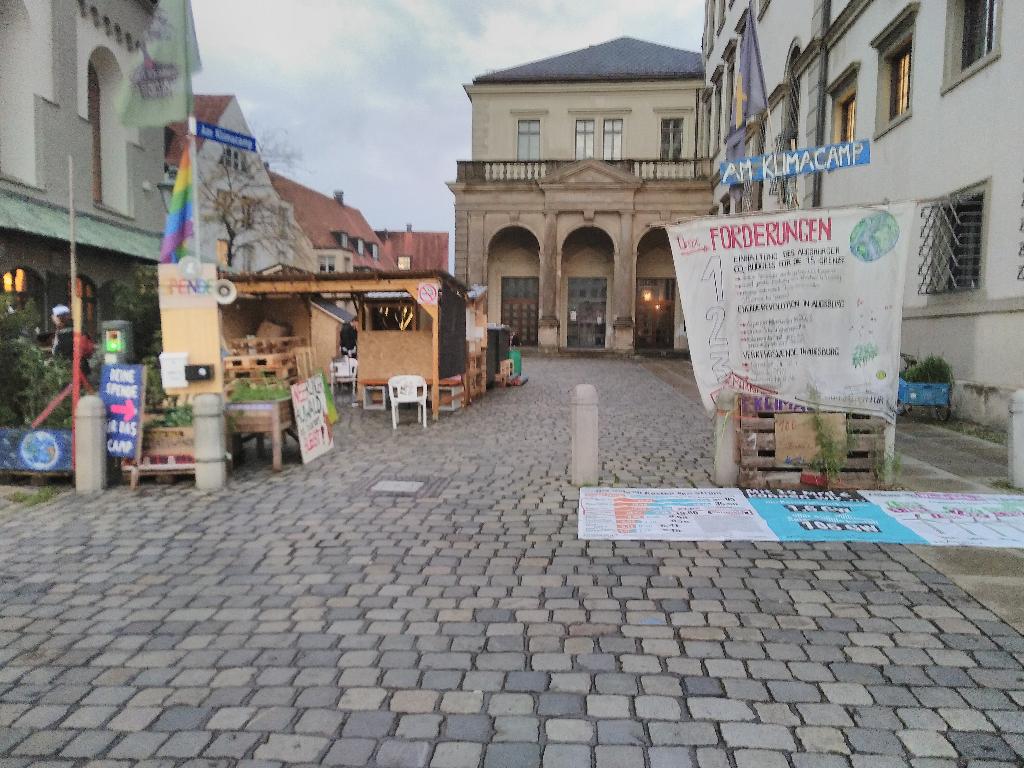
[
  {"x": 122, "y": 388},
  {"x": 795, "y": 162},
  {"x": 224, "y": 136}
]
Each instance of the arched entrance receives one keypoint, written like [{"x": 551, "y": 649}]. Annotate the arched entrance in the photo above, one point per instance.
[
  {"x": 588, "y": 269},
  {"x": 513, "y": 282},
  {"x": 657, "y": 301},
  {"x": 109, "y": 140}
]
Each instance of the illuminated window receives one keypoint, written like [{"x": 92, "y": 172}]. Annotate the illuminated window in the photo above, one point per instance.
[
  {"x": 848, "y": 118},
  {"x": 899, "y": 80},
  {"x": 405, "y": 262}
]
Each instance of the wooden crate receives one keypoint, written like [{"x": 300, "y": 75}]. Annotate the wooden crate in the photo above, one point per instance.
[
  {"x": 761, "y": 465},
  {"x": 504, "y": 375},
  {"x": 167, "y": 441},
  {"x": 476, "y": 375},
  {"x": 255, "y": 345},
  {"x": 259, "y": 416},
  {"x": 278, "y": 365}
]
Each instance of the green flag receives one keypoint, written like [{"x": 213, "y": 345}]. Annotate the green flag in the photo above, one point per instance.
[{"x": 158, "y": 88}]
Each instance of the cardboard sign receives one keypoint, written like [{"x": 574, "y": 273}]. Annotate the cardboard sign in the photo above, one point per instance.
[
  {"x": 312, "y": 424},
  {"x": 35, "y": 450},
  {"x": 796, "y": 438},
  {"x": 122, "y": 390}
]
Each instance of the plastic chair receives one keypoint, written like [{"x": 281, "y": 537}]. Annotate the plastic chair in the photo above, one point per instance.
[
  {"x": 345, "y": 371},
  {"x": 408, "y": 389}
]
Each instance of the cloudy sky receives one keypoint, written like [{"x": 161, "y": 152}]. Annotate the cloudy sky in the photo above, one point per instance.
[{"x": 369, "y": 92}]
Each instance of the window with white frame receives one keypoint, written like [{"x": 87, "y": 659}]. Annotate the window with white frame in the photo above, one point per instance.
[
  {"x": 375, "y": 251},
  {"x": 528, "y": 144},
  {"x": 360, "y": 246},
  {"x": 671, "y": 138},
  {"x": 328, "y": 262},
  {"x": 341, "y": 238},
  {"x": 613, "y": 138},
  {"x": 584, "y": 139},
  {"x": 972, "y": 36}
]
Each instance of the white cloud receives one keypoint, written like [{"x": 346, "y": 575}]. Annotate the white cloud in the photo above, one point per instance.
[{"x": 370, "y": 91}]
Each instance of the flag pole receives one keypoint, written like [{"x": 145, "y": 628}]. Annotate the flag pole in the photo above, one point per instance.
[
  {"x": 194, "y": 158},
  {"x": 76, "y": 307}
]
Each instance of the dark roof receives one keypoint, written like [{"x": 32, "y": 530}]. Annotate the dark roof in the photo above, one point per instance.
[
  {"x": 625, "y": 58},
  {"x": 340, "y": 314}
]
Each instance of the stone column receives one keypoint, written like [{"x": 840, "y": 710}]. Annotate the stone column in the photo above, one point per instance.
[
  {"x": 477, "y": 256},
  {"x": 625, "y": 285},
  {"x": 549, "y": 257}
]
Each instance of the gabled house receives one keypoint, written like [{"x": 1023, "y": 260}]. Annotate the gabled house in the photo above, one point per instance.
[
  {"x": 244, "y": 224},
  {"x": 416, "y": 251},
  {"x": 340, "y": 236}
]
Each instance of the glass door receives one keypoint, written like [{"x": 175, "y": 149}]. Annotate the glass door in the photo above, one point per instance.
[{"x": 588, "y": 300}]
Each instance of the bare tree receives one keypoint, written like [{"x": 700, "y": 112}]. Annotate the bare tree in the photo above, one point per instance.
[{"x": 237, "y": 194}]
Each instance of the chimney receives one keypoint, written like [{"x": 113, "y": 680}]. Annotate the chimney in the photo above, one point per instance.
[
  {"x": 408, "y": 227},
  {"x": 339, "y": 197}
]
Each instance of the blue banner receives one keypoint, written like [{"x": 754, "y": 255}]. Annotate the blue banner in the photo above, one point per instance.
[
  {"x": 35, "y": 450},
  {"x": 828, "y": 516},
  {"x": 122, "y": 391},
  {"x": 224, "y": 136},
  {"x": 794, "y": 162}
]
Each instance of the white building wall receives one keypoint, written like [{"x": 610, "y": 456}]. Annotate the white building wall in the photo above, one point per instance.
[{"x": 955, "y": 138}]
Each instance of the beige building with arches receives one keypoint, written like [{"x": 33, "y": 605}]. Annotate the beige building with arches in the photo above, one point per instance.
[{"x": 577, "y": 162}]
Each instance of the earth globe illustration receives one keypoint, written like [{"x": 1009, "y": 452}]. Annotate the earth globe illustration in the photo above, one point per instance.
[
  {"x": 39, "y": 451},
  {"x": 874, "y": 236}
]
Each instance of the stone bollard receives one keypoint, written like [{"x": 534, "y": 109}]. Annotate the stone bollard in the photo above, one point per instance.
[
  {"x": 584, "y": 463},
  {"x": 90, "y": 445},
  {"x": 1016, "y": 441},
  {"x": 210, "y": 446},
  {"x": 726, "y": 469}
]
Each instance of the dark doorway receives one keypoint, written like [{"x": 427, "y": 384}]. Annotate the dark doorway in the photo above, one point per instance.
[
  {"x": 520, "y": 308},
  {"x": 655, "y": 311},
  {"x": 588, "y": 299}
]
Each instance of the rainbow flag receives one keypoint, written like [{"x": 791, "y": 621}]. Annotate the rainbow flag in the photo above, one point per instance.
[{"x": 179, "y": 225}]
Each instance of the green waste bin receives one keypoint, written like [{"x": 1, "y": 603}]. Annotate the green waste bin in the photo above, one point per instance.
[{"x": 517, "y": 361}]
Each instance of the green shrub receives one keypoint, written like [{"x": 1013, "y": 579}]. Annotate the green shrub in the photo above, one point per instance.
[
  {"x": 932, "y": 370},
  {"x": 31, "y": 377}
]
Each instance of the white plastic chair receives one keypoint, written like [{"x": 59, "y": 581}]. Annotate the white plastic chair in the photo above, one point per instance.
[
  {"x": 345, "y": 371},
  {"x": 408, "y": 389}
]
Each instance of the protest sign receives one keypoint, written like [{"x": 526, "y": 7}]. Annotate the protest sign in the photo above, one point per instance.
[
  {"x": 669, "y": 514},
  {"x": 309, "y": 401},
  {"x": 957, "y": 519},
  {"x": 827, "y": 516},
  {"x": 122, "y": 389},
  {"x": 801, "y": 305}
]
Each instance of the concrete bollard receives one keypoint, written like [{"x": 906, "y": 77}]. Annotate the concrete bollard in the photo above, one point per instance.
[
  {"x": 726, "y": 469},
  {"x": 1016, "y": 441},
  {"x": 90, "y": 445},
  {"x": 584, "y": 462},
  {"x": 210, "y": 446}
]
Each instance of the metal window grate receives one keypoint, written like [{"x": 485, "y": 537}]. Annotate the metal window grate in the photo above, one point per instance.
[{"x": 951, "y": 244}]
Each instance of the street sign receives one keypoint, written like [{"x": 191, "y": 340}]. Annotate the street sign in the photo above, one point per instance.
[
  {"x": 795, "y": 162},
  {"x": 122, "y": 389},
  {"x": 224, "y": 136}
]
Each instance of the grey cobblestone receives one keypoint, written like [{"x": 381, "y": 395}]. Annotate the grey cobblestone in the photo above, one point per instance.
[{"x": 296, "y": 618}]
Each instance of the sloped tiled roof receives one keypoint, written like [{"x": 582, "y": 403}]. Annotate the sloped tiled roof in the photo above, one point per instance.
[
  {"x": 624, "y": 59},
  {"x": 426, "y": 250},
  {"x": 207, "y": 109},
  {"x": 320, "y": 216}
]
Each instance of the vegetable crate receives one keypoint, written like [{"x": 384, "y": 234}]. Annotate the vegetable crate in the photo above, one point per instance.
[{"x": 777, "y": 443}]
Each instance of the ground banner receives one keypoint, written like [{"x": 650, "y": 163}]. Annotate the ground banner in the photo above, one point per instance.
[
  {"x": 731, "y": 514},
  {"x": 669, "y": 514},
  {"x": 957, "y": 519},
  {"x": 802, "y": 305}
]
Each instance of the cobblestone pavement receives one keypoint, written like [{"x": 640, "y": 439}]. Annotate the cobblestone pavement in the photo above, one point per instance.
[{"x": 307, "y": 618}]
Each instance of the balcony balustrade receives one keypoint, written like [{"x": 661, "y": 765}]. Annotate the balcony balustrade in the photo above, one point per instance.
[{"x": 525, "y": 171}]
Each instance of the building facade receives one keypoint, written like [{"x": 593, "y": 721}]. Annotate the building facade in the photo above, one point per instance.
[
  {"x": 935, "y": 87},
  {"x": 61, "y": 67},
  {"x": 576, "y": 162},
  {"x": 245, "y": 225}
]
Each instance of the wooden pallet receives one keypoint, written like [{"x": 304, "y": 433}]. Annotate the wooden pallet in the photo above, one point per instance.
[
  {"x": 762, "y": 466},
  {"x": 254, "y": 345},
  {"x": 504, "y": 374},
  {"x": 278, "y": 365}
]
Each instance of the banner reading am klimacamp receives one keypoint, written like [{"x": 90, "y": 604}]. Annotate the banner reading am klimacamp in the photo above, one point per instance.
[{"x": 802, "y": 305}]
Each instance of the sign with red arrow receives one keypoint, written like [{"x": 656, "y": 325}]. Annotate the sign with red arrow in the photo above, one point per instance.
[{"x": 122, "y": 389}]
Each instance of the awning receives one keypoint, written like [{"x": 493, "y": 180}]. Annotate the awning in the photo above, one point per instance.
[{"x": 36, "y": 218}]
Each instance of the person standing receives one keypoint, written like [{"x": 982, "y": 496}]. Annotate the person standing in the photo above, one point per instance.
[{"x": 349, "y": 338}]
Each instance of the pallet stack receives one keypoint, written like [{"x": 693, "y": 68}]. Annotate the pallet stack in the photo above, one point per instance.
[{"x": 287, "y": 359}]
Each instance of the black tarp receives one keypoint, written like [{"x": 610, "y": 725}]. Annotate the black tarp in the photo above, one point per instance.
[{"x": 452, "y": 333}]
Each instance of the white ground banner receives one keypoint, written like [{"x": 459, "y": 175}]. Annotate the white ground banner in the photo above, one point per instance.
[
  {"x": 670, "y": 514},
  {"x": 803, "y": 305},
  {"x": 956, "y": 519}
]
